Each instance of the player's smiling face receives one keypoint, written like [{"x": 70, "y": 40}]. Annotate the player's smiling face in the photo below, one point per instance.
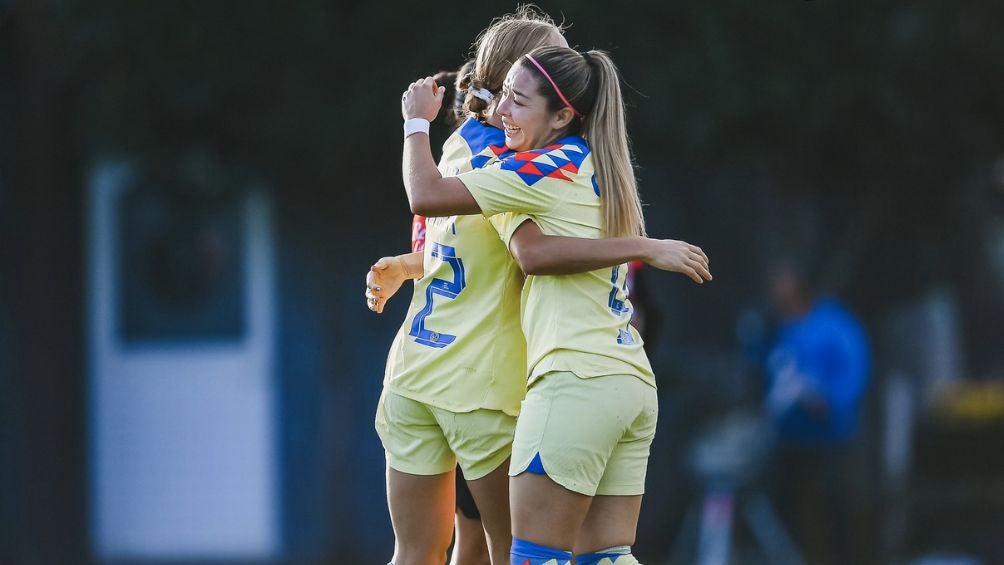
[{"x": 527, "y": 122}]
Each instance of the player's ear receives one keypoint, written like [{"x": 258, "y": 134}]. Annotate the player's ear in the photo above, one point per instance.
[{"x": 562, "y": 119}]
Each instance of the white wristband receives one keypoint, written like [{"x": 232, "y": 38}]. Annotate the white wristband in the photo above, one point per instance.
[{"x": 416, "y": 125}]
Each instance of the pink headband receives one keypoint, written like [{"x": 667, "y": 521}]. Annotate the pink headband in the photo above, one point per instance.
[{"x": 556, "y": 89}]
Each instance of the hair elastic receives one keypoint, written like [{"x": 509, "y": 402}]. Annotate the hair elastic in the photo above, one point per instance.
[
  {"x": 482, "y": 93},
  {"x": 556, "y": 89}
]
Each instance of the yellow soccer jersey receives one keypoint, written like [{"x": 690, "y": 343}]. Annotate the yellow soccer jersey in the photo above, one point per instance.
[
  {"x": 577, "y": 323},
  {"x": 460, "y": 347}
]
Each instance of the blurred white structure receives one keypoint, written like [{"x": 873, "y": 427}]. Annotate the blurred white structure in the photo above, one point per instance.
[{"x": 183, "y": 438}]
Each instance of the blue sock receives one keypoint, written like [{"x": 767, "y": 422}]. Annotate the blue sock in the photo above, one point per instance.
[
  {"x": 613, "y": 556},
  {"x": 528, "y": 553}
]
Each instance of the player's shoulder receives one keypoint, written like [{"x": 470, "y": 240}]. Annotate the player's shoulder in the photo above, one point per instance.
[
  {"x": 479, "y": 136},
  {"x": 562, "y": 160}
]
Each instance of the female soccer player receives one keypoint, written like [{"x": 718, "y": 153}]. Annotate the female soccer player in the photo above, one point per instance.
[
  {"x": 582, "y": 441},
  {"x": 469, "y": 544},
  {"x": 452, "y": 385},
  {"x": 453, "y": 396}
]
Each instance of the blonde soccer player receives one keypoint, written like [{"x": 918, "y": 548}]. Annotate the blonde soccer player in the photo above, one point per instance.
[
  {"x": 451, "y": 387},
  {"x": 582, "y": 441}
]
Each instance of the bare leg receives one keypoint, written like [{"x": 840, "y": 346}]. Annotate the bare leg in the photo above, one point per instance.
[
  {"x": 470, "y": 546},
  {"x": 421, "y": 511},
  {"x": 491, "y": 494},
  {"x": 611, "y": 521},
  {"x": 546, "y": 513}
]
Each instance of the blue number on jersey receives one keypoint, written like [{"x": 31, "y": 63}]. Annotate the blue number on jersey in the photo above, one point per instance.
[
  {"x": 449, "y": 289},
  {"x": 624, "y": 336},
  {"x": 618, "y": 306}
]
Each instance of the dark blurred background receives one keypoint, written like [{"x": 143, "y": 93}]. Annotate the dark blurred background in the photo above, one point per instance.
[{"x": 191, "y": 194}]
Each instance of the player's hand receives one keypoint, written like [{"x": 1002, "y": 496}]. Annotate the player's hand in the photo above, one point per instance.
[
  {"x": 382, "y": 281},
  {"x": 422, "y": 99},
  {"x": 679, "y": 257}
]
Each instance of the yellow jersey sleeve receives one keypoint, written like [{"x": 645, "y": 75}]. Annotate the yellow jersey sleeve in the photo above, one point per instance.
[{"x": 507, "y": 223}]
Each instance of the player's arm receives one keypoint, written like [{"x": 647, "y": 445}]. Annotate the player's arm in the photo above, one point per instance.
[
  {"x": 539, "y": 254},
  {"x": 429, "y": 194},
  {"x": 387, "y": 275}
]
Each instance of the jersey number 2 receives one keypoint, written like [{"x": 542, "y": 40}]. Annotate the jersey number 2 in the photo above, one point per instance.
[{"x": 449, "y": 289}]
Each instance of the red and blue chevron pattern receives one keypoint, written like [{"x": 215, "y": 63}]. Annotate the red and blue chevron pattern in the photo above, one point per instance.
[{"x": 553, "y": 161}]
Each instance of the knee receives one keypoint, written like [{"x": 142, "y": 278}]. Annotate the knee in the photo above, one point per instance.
[
  {"x": 420, "y": 555},
  {"x": 473, "y": 552},
  {"x": 595, "y": 539},
  {"x": 500, "y": 537},
  {"x": 498, "y": 530},
  {"x": 477, "y": 557},
  {"x": 497, "y": 545}
]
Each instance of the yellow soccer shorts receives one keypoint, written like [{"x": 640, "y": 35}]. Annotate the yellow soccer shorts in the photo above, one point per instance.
[
  {"x": 592, "y": 435},
  {"x": 420, "y": 439}
]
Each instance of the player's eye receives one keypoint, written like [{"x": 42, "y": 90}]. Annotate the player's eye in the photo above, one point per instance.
[{"x": 507, "y": 92}]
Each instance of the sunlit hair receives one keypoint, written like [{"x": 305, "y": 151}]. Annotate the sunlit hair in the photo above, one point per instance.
[
  {"x": 591, "y": 84},
  {"x": 499, "y": 46}
]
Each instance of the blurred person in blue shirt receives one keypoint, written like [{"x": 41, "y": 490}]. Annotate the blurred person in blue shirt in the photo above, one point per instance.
[{"x": 817, "y": 371}]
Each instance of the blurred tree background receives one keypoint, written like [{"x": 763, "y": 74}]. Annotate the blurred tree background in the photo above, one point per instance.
[{"x": 864, "y": 136}]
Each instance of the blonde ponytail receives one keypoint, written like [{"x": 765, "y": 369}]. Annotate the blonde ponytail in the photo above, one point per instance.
[
  {"x": 605, "y": 129},
  {"x": 591, "y": 84}
]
